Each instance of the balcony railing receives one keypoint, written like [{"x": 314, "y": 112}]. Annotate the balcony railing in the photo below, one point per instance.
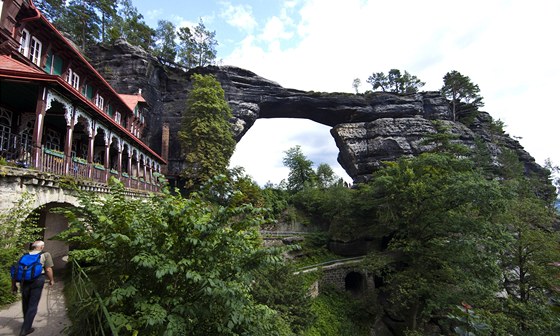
[{"x": 16, "y": 150}]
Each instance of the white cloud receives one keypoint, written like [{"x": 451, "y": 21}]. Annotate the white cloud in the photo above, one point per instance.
[
  {"x": 274, "y": 30},
  {"x": 262, "y": 149},
  {"x": 508, "y": 48},
  {"x": 154, "y": 15},
  {"x": 239, "y": 16}
]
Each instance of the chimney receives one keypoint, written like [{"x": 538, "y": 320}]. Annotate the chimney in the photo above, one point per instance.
[{"x": 165, "y": 143}]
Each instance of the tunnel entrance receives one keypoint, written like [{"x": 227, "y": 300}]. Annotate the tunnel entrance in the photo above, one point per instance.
[{"x": 355, "y": 282}]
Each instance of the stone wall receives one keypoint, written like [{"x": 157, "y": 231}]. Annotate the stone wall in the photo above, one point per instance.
[{"x": 347, "y": 278}]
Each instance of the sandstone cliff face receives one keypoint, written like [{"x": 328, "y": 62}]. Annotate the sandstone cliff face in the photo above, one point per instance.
[{"x": 368, "y": 129}]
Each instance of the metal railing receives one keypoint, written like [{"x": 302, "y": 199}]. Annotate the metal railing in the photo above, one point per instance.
[
  {"x": 310, "y": 268},
  {"x": 270, "y": 233},
  {"x": 15, "y": 148},
  {"x": 94, "y": 318}
]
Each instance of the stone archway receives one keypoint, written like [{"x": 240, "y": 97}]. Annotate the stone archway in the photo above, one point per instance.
[
  {"x": 54, "y": 223},
  {"x": 355, "y": 282}
]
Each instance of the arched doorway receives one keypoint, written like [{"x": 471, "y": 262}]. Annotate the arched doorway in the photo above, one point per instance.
[{"x": 54, "y": 223}]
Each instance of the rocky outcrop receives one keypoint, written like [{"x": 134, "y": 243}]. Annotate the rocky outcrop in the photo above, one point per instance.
[{"x": 368, "y": 128}]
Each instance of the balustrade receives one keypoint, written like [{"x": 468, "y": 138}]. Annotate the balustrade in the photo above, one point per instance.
[{"x": 16, "y": 150}]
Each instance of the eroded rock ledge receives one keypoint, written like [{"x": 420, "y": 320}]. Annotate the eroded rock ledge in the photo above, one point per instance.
[{"x": 368, "y": 129}]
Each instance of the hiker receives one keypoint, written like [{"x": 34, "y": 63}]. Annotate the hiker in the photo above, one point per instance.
[{"x": 32, "y": 288}]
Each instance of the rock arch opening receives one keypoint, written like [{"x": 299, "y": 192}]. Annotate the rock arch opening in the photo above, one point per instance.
[{"x": 262, "y": 148}]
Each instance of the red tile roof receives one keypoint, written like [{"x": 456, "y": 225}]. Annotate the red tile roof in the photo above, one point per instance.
[
  {"x": 132, "y": 100},
  {"x": 10, "y": 64}
]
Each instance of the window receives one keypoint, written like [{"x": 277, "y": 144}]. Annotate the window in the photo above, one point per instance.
[
  {"x": 24, "y": 43},
  {"x": 118, "y": 117},
  {"x": 30, "y": 47},
  {"x": 73, "y": 79},
  {"x": 35, "y": 51},
  {"x": 99, "y": 101}
]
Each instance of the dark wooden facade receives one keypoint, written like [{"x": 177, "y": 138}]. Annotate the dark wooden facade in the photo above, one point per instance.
[{"x": 59, "y": 115}]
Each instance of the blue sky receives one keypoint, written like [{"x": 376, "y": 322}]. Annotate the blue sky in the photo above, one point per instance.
[{"x": 508, "y": 47}]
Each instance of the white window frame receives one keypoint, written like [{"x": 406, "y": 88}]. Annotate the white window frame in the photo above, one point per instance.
[
  {"x": 99, "y": 101},
  {"x": 24, "y": 42},
  {"x": 35, "y": 49},
  {"x": 73, "y": 79},
  {"x": 118, "y": 117}
]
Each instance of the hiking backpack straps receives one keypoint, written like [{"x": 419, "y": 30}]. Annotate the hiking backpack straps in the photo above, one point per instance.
[{"x": 28, "y": 267}]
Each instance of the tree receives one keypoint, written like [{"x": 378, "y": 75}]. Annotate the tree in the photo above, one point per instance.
[
  {"x": 81, "y": 21},
  {"x": 395, "y": 82},
  {"x": 165, "y": 45},
  {"x": 169, "y": 265},
  {"x": 325, "y": 176},
  {"x": 463, "y": 94},
  {"x": 108, "y": 10},
  {"x": 356, "y": 84},
  {"x": 206, "y": 137},
  {"x": 301, "y": 169},
  {"x": 438, "y": 212},
  {"x": 51, "y": 9},
  {"x": 531, "y": 275},
  {"x": 379, "y": 80},
  {"x": 197, "y": 46},
  {"x": 130, "y": 25}
]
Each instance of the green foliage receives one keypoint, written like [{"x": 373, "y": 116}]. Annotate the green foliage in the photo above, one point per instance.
[
  {"x": 165, "y": 46},
  {"x": 325, "y": 176},
  {"x": 174, "y": 266},
  {"x": 440, "y": 212},
  {"x": 92, "y": 21},
  {"x": 301, "y": 169},
  {"x": 18, "y": 227},
  {"x": 276, "y": 199},
  {"x": 247, "y": 191},
  {"x": 530, "y": 276},
  {"x": 130, "y": 25},
  {"x": 443, "y": 141},
  {"x": 81, "y": 21},
  {"x": 52, "y": 9},
  {"x": 336, "y": 315},
  {"x": 332, "y": 208},
  {"x": 206, "y": 138},
  {"x": 197, "y": 46},
  {"x": 466, "y": 321},
  {"x": 278, "y": 288},
  {"x": 463, "y": 94},
  {"x": 395, "y": 82}
]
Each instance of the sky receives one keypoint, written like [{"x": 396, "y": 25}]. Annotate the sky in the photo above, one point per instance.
[{"x": 509, "y": 48}]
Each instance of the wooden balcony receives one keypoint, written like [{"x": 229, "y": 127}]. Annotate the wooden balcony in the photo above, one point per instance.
[{"x": 18, "y": 153}]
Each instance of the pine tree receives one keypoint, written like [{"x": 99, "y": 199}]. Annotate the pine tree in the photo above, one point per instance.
[{"x": 463, "y": 94}]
